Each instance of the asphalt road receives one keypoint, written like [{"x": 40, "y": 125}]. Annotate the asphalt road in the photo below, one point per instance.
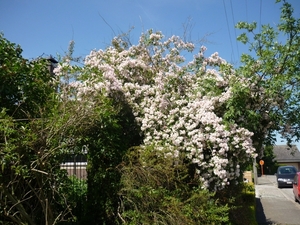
[{"x": 274, "y": 205}]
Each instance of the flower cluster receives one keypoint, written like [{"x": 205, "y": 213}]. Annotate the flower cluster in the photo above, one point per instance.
[{"x": 178, "y": 105}]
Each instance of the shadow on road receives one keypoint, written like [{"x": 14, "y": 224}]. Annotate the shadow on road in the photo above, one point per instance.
[{"x": 260, "y": 215}]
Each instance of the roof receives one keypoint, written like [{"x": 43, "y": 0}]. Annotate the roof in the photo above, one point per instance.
[
  {"x": 51, "y": 59},
  {"x": 284, "y": 153}
]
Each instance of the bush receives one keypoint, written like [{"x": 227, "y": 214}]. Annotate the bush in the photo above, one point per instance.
[
  {"x": 243, "y": 209},
  {"x": 157, "y": 190}
]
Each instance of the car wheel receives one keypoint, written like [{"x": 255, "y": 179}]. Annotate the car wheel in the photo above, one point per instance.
[
  {"x": 296, "y": 200},
  {"x": 278, "y": 185}
]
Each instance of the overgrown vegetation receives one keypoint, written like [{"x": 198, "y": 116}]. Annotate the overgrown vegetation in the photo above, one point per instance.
[
  {"x": 243, "y": 210},
  {"x": 269, "y": 104},
  {"x": 157, "y": 190},
  {"x": 167, "y": 140}
]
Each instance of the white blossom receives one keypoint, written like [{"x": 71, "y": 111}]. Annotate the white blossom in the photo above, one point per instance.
[{"x": 172, "y": 105}]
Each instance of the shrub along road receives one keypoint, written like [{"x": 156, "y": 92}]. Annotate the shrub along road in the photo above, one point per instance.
[{"x": 274, "y": 205}]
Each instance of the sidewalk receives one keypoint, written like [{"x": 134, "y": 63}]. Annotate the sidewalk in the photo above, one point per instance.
[{"x": 272, "y": 206}]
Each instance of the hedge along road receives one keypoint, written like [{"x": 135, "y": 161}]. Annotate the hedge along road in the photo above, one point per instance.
[{"x": 274, "y": 205}]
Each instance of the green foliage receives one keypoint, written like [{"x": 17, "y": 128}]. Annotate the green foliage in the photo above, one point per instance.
[
  {"x": 75, "y": 191},
  {"x": 34, "y": 132},
  {"x": 248, "y": 26},
  {"x": 158, "y": 190},
  {"x": 270, "y": 164},
  {"x": 268, "y": 101},
  {"x": 243, "y": 211},
  {"x": 127, "y": 184},
  {"x": 240, "y": 198},
  {"x": 108, "y": 132},
  {"x": 28, "y": 182},
  {"x": 25, "y": 85}
]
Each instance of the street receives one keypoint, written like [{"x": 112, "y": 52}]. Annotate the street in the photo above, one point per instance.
[{"x": 274, "y": 205}]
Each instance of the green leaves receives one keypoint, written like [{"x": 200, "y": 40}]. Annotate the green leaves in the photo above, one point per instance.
[
  {"x": 274, "y": 72},
  {"x": 243, "y": 38},
  {"x": 247, "y": 26},
  {"x": 32, "y": 126},
  {"x": 155, "y": 191},
  {"x": 25, "y": 85}
]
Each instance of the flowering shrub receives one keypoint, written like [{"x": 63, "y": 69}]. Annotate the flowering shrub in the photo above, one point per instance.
[{"x": 179, "y": 105}]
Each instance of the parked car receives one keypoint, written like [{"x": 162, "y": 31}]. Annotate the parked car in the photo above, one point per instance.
[
  {"x": 296, "y": 187},
  {"x": 285, "y": 176}
]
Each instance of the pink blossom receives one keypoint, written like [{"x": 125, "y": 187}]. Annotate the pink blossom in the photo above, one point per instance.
[{"x": 171, "y": 103}]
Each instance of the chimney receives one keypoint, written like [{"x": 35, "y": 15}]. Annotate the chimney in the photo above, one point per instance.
[{"x": 52, "y": 64}]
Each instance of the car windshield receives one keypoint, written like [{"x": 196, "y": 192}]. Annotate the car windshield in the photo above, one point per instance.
[{"x": 287, "y": 170}]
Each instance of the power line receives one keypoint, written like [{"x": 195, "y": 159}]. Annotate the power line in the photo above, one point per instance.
[
  {"x": 228, "y": 30},
  {"x": 237, "y": 47}
]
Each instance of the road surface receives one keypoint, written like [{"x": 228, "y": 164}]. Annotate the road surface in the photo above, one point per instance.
[{"x": 274, "y": 205}]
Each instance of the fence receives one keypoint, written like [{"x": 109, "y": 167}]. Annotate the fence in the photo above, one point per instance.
[{"x": 76, "y": 166}]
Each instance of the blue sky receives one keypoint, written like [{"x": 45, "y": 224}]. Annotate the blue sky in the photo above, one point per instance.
[
  {"x": 46, "y": 27},
  {"x": 41, "y": 26}
]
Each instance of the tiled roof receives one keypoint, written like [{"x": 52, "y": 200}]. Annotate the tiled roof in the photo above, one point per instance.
[{"x": 285, "y": 153}]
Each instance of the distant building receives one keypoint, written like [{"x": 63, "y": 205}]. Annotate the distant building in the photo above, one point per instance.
[{"x": 287, "y": 155}]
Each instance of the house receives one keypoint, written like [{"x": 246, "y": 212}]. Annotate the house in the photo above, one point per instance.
[{"x": 285, "y": 155}]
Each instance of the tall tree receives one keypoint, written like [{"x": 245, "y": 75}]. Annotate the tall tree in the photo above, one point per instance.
[
  {"x": 267, "y": 102},
  {"x": 34, "y": 134},
  {"x": 24, "y": 86}
]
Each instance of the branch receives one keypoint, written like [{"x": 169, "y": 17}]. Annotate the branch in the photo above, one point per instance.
[
  {"x": 39, "y": 171},
  {"x": 19, "y": 206}
]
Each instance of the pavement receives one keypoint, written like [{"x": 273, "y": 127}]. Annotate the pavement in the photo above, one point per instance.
[{"x": 273, "y": 205}]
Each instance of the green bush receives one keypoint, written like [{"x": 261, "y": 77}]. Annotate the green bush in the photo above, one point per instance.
[
  {"x": 157, "y": 190},
  {"x": 111, "y": 133},
  {"x": 243, "y": 206}
]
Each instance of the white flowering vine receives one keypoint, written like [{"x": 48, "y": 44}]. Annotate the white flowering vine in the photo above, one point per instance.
[{"x": 178, "y": 104}]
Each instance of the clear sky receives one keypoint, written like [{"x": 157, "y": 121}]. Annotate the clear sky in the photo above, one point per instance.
[
  {"x": 41, "y": 26},
  {"x": 46, "y": 27}
]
